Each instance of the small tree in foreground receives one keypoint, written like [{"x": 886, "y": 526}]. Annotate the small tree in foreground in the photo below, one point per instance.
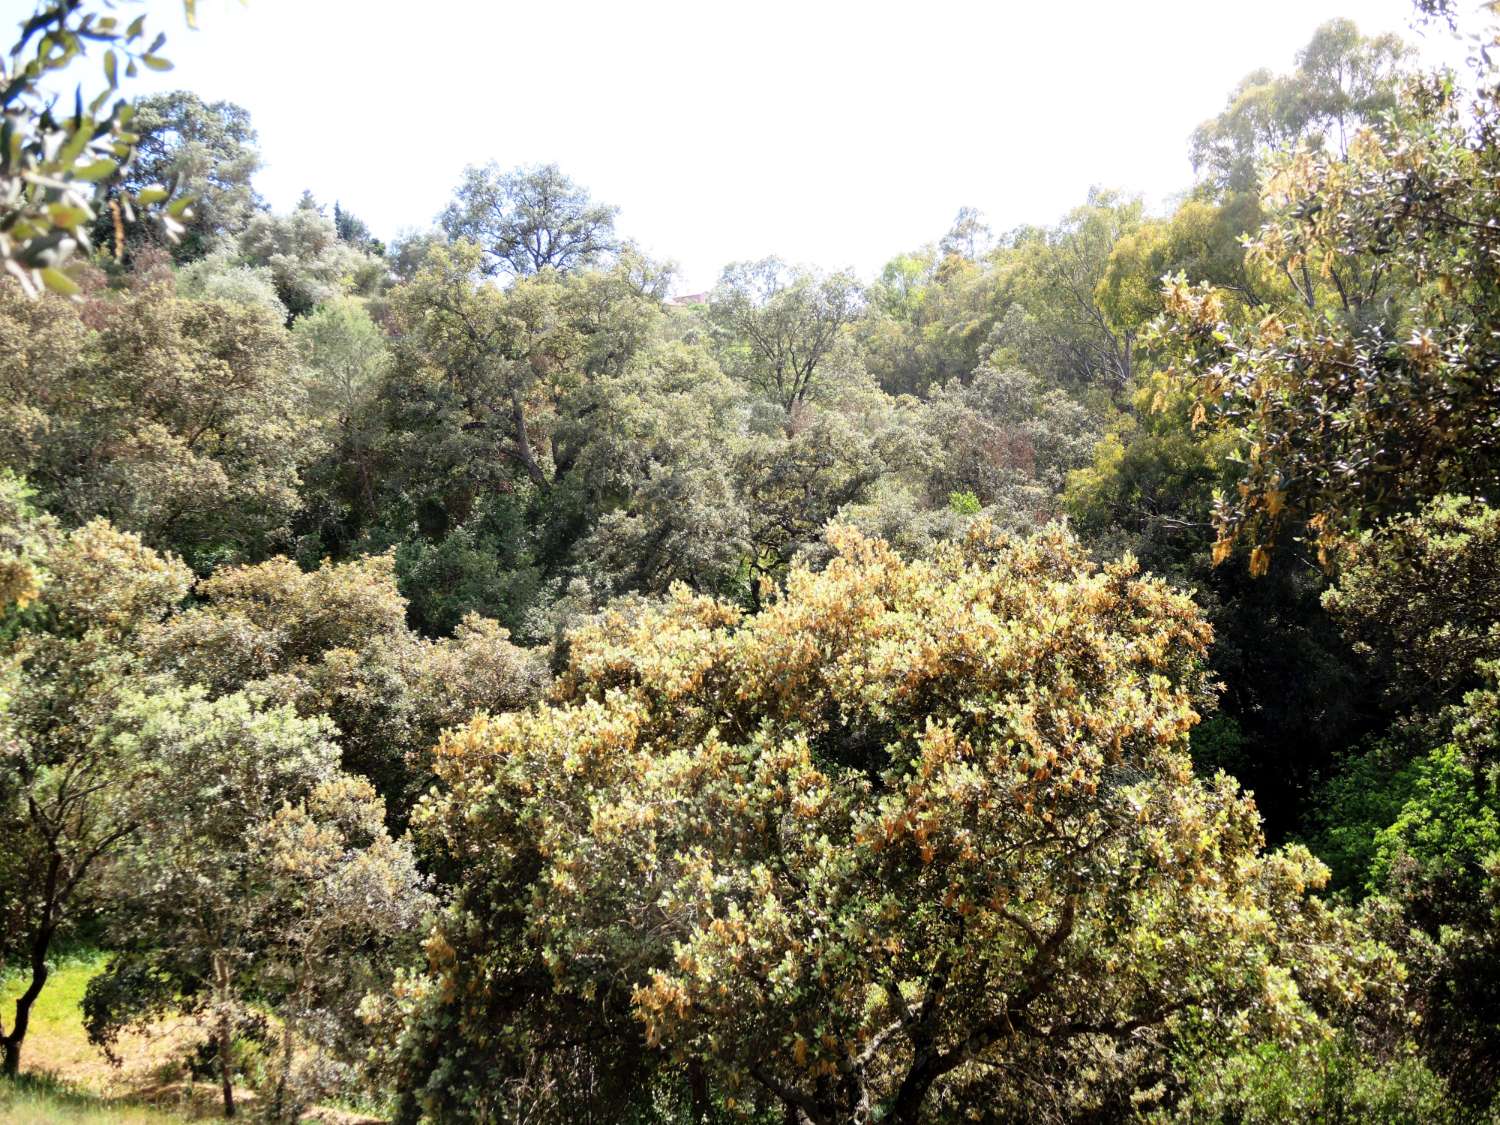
[
  {"x": 72, "y": 607},
  {"x": 920, "y": 838},
  {"x": 261, "y": 881}
]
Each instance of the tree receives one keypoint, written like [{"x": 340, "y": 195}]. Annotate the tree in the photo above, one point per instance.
[
  {"x": 346, "y": 354},
  {"x": 492, "y": 347},
  {"x": 1419, "y": 598},
  {"x": 1343, "y": 80},
  {"x": 1056, "y": 325},
  {"x": 334, "y": 643},
  {"x": 204, "y": 151},
  {"x": 262, "y": 881},
  {"x": 969, "y": 237},
  {"x": 352, "y": 229},
  {"x": 55, "y": 165},
  {"x": 918, "y": 838},
  {"x": 78, "y": 602},
  {"x": 1437, "y": 870},
  {"x": 529, "y": 219},
  {"x": 781, "y": 324},
  {"x": 651, "y": 453},
  {"x": 1008, "y": 442},
  {"x": 181, "y": 420},
  {"x": 1373, "y": 389},
  {"x": 308, "y": 260},
  {"x": 928, "y": 319}
]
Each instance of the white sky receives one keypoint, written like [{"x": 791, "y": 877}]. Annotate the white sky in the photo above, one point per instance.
[{"x": 836, "y": 133}]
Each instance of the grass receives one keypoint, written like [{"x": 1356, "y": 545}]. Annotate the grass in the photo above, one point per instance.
[
  {"x": 64, "y": 1078},
  {"x": 43, "y": 1100}
]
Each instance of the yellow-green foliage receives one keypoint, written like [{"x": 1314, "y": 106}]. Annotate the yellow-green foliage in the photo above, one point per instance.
[{"x": 912, "y": 819}]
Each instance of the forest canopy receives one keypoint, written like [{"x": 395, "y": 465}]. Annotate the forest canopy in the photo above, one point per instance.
[{"x": 1055, "y": 678}]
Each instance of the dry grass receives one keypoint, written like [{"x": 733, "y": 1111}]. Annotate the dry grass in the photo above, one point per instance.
[{"x": 67, "y": 1079}]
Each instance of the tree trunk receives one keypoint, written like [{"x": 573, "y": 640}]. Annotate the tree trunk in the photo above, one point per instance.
[
  {"x": 907, "y": 1106},
  {"x": 280, "y": 1109},
  {"x": 11, "y": 1043},
  {"x": 226, "y": 1039},
  {"x": 225, "y": 1032},
  {"x": 698, "y": 1085},
  {"x": 523, "y": 440}
]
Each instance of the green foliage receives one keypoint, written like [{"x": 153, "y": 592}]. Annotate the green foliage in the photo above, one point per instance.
[
  {"x": 1365, "y": 794},
  {"x": 1055, "y": 325},
  {"x": 964, "y": 503},
  {"x": 221, "y": 276},
  {"x": 927, "y": 321},
  {"x": 779, "y": 325},
  {"x": 334, "y": 642},
  {"x": 347, "y": 354},
  {"x": 1007, "y": 441},
  {"x": 908, "y": 816},
  {"x": 1420, "y": 598},
  {"x": 181, "y": 420},
  {"x": 1343, "y": 80},
  {"x": 1367, "y": 392},
  {"x": 308, "y": 261},
  {"x": 204, "y": 151},
  {"x": 54, "y": 165},
  {"x": 530, "y": 219},
  {"x": 261, "y": 880},
  {"x": 81, "y": 602},
  {"x": 1436, "y": 867},
  {"x": 1331, "y": 1080}
]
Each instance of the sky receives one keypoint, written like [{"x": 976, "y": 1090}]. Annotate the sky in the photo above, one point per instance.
[{"x": 830, "y": 133}]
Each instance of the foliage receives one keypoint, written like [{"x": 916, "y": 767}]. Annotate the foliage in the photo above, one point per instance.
[
  {"x": 780, "y": 324},
  {"x": 221, "y": 276},
  {"x": 334, "y": 642},
  {"x": 177, "y": 419},
  {"x": 530, "y": 219},
  {"x": 1437, "y": 868},
  {"x": 203, "y": 151},
  {"x": 1373, "y": 390},
  {"x": 1008, "y": 442},
  {"x": 1055, "y": 325},
  {"x": 309, "y": 263},
  {"x": 80, "y": 602},
  {"x": 1420, "y": 598},
  {"x": 262, "y": 880},
  {"x": 1343, "y": 80},
  {"x": 837, "y": 856},
  {"x": 927, "y": 320},
  {"x": 1332, "y": 1080},
  {"x": 54, "y": 166}
]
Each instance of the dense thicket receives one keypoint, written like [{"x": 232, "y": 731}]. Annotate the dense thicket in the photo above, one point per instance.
[{"x": 1054, "y": 679}]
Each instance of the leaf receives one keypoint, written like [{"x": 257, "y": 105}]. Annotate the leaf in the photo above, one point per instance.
[
  {"x": 96, "y": 171},
  {"x": 67, "y": 215},
  {"x": 59, "y": 282},
  {"x": 75, "y": 145}
]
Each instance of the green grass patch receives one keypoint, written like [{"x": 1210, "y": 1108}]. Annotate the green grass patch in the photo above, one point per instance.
[
  {"x": 65, "y": 1078},
  {"x": 58, "y": 1008}
]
